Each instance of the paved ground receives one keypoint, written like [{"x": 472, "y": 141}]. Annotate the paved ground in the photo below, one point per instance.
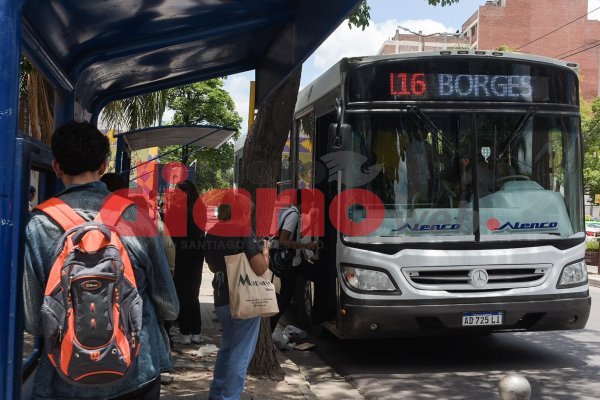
[
  {"x": 593, "y": 275},
  {"x": 193, "y": 367}
]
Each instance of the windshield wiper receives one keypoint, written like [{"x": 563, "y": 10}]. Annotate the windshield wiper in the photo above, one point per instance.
[
  {"x": 519, "y": 130},
  {"x": 427, "y": 123}
]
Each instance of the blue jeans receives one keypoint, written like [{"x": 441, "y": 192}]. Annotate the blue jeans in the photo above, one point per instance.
[{"x": 237, "y": 347}]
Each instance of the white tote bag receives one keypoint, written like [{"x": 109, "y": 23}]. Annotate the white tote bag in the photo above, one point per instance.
[{"x": 250, "y": 295}]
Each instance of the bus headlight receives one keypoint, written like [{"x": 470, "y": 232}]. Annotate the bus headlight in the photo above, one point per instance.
[
  {"x": 573, "y": 275},
  {"x": 367, "y": 280}
]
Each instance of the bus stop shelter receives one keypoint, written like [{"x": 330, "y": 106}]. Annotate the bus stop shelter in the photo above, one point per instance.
[
  {"x": 94, "y": 52},
  {"x": 184, "y": 136}
]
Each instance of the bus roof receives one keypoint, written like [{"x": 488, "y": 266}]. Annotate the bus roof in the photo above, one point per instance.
[
  {"x": 106, "y": 50},
  {"x": 332, "y": 77}
]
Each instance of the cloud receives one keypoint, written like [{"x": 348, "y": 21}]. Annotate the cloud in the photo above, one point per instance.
[
  {"x": 346, "y": 42},
  {"x": 592, "y": 5},
  {"x": 238, "y": 86},
  {"x": 343, "y": 42}
]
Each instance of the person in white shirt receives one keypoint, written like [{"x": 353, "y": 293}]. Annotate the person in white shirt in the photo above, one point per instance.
[{"x": 291, "y": 238}]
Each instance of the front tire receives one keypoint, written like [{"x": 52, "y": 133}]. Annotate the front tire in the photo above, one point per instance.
[{"x": 306, "y": 309}]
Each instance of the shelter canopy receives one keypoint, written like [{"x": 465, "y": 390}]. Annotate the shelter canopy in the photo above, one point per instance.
[
  {"x": 99, "y": 51},
  {"x": 208, "y": 136}
]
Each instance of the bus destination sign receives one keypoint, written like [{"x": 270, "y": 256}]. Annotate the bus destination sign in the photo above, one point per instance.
[{"x": 460, "y": 86}]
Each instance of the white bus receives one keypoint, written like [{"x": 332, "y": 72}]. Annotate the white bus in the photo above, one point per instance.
[{"x": 475, "y": 158}]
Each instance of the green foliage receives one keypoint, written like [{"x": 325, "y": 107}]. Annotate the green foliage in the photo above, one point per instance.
[
  {"x": 201, "y": 103},
  {"x": 361, "y": 16},
  {"x": 362, "y": 13},
  {"x": 592, "y": 245},
  {"x": 591, "y": 134},
  {"x": 26, "y": 69},
  {"x": 135, "y": 112},
  {"x": 505, "y": 48},
  {"x": 206, "y": 103}
]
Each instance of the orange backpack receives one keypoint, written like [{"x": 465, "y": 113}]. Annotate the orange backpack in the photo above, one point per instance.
[{"x": 92, "y": 311}]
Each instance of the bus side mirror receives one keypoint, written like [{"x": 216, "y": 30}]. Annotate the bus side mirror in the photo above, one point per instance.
[{"x": 339, "y": 134}]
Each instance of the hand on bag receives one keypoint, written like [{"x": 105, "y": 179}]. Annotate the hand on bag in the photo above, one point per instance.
[
  {"x": 266, "y": 245},
  {"x": 310, "y": 245}
]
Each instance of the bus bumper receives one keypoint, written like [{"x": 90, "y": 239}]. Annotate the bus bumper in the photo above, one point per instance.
[{"x": 528, "y": 313}]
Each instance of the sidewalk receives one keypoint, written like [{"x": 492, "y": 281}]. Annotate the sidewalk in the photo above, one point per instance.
[
  {"x": 193, "y": 371},
  {"x": 593, "y": 276}
]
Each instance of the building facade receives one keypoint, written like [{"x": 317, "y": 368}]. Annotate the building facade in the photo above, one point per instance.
[
  {"x": 412, "y": 42},
  {"x": 525, "y": 26}
]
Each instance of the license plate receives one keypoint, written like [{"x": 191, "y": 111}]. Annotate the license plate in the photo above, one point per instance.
[{"x": 482, "y": 318}]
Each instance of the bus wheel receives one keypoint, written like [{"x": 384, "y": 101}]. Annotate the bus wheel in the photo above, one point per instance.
[{"x": 306, "y": 311}]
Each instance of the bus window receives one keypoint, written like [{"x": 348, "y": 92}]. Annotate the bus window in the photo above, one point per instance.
[
  {"x": 527, "y": 167},
  {"x": 286, "y": 160},
  {"x": 417, "y": 171},
  {"x": 305, "y": 127}
]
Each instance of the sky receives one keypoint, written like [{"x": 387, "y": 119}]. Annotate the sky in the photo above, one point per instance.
[{"x": 386, "y": 15}]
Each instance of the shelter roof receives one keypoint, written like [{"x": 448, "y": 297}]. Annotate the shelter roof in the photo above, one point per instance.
[
  {"x": 182, "y": 135},
  {"x": 111, "y": 49}
]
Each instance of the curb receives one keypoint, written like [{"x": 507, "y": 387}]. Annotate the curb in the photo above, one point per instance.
[
  {"x": 294, "y": 377},
  {"x": 324, "y": 382},
  {"x": 593, "y": 276}
]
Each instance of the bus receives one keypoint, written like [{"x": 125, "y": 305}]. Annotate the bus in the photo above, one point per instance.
[{"x": 472, "y": 161}]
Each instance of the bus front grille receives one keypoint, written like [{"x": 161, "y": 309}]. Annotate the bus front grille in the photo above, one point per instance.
[{"x": 477, "y": 277}]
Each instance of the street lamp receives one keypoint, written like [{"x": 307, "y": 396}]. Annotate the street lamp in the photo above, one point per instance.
[{"x": 420, "y": 34}]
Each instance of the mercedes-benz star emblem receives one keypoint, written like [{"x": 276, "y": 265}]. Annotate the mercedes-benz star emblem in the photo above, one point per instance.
[{"x": 479, "y": 278}]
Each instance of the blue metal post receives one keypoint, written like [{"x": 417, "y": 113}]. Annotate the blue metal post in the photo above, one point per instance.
[
  {"x": 64, "y": 109},
  {"x": 119, "y": 156},
  {"x": 10, "y": 220}
]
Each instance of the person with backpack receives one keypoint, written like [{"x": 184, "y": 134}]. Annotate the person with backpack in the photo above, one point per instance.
[
  {"x": 96, "y": 282},
  {"x": 290, "y": 240}
]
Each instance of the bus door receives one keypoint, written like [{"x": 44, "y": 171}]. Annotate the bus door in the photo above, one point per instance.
[
  {"x": 33, "y": 168},
  {"x": 317, "y": 298},
  {"x": 326, "y": 297}
]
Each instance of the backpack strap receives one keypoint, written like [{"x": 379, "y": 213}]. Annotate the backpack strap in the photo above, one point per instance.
[
  {"x": 295, "y": 233},
  {"x": 112, "y": 210},
  {"x": 61, "y": 213}
]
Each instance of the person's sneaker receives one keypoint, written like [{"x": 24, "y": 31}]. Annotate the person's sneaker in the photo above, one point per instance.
[
  {"x": 197, "y": 339},
  {"x": 183, "y": 339},
  {"x": 166, "y": 379},
  {"x": 174, "y": 331}
]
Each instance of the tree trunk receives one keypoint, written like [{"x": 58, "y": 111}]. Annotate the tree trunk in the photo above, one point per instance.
[
  {"x": 264, "y": 363},
  {"x": 260, "y": 169},
  {"x": 265, "y": 141}
]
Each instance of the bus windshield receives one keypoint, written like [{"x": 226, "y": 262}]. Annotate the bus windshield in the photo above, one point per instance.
[{"x": 470, "y": 176}]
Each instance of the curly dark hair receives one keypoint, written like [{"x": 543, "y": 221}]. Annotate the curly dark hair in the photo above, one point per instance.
[
  {"x": 114, "y": 181},
  {"x": 79, "y": 147}
]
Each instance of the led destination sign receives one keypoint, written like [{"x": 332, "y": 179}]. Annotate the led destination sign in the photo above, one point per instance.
[
  {"x": 466, "y": 80},
  {"x": 460, "y": 86}
]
